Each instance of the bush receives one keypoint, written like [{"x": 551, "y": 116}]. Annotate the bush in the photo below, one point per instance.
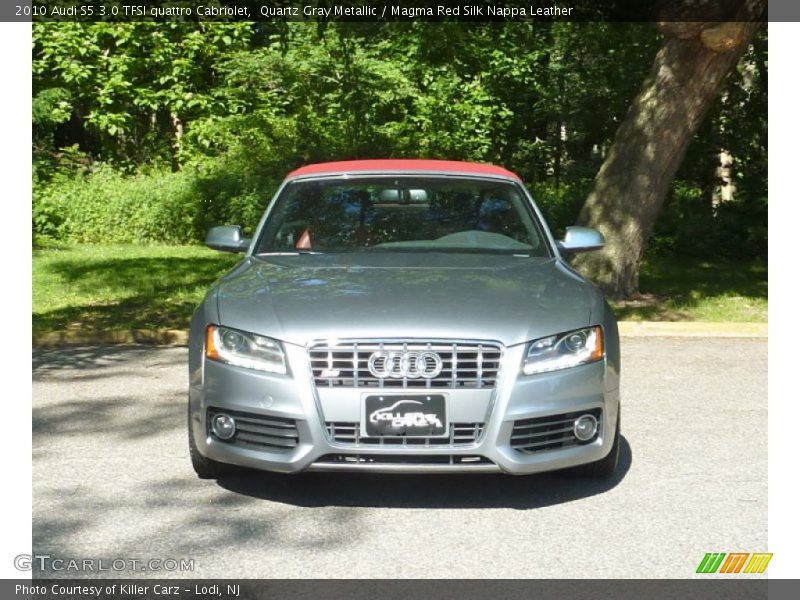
[
  {"x": 690, "y": 226},
  {"x": 109, "y": 207},
  {"x": 741, "y": 230},
  {"x": 159, "y": 206},
  {"x": 561, "y": 206},
  {"x": 235, "y": 190}
]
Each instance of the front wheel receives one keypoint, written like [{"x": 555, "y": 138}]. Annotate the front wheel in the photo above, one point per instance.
[{"x": 605, "y": 467}]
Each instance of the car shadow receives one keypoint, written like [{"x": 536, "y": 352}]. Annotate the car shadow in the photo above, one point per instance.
[{"x": 425, "y": 491}]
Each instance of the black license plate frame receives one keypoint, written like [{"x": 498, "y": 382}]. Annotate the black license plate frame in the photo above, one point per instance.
[{"x": 404, "y": 415}]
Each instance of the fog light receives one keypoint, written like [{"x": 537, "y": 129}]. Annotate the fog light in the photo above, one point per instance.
[
  {"x": 585, "y": 427},
  {"x": 223, "y": 426}
]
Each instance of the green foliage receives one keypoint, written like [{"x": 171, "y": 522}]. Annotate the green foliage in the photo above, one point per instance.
[
  {"x": 159, "y": 206},
  {"x": 691, "y": 225},
  {"x": 51, "y": 107},
  {"x": 561, "y": 205},
  {"x": 109, "y": 206},
  {"x": 233, "y": 190},
  {"x": 124, "y": 81},
  {"x": 149, "y": 132}
]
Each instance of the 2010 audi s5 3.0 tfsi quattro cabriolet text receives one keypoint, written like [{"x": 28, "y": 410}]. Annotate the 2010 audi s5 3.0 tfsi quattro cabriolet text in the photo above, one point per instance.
[{"x": 403, "y": 316}]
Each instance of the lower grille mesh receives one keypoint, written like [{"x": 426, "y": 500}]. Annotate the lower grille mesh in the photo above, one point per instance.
[
  {"x": 530, "y": 436},
  {"x": 258, "y": 431},
  {"x": 461, "y": 434}
]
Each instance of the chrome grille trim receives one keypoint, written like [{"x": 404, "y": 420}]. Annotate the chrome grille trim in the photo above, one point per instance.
[
  {"x": 530, "y": 436},
  {"x": 466, "y": 364},
  {"x": 461, "y": 434}
]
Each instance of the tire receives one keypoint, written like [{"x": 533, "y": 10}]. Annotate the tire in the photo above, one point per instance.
[
  {"x": 605, "y": 467},
  {"x": 205, "y": 468}
]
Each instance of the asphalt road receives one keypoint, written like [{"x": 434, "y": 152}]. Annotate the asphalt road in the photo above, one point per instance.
[{"x": 112, "y": 480}]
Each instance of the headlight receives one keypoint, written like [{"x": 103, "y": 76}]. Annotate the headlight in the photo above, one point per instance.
[
  {"x": 564, "y": 350},
  {"x": 244, "y": 349}
]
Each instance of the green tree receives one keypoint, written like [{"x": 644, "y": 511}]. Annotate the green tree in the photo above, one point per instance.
[{"x": 120, "y": 87}]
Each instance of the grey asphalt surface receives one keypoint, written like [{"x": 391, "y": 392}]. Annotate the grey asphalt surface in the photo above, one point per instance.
[{"x": 112, "y": 479}]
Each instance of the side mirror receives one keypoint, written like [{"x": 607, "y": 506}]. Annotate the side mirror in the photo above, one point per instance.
[
  {"x": 580, "y": 239},
  {"x": 227, "y": 238}
]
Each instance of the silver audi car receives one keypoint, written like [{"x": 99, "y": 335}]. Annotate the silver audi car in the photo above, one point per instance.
[{"x": 404, "y": 316}]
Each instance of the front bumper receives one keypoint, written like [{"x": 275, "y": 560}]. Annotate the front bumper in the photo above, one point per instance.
[{"x": 295, "y": 400}]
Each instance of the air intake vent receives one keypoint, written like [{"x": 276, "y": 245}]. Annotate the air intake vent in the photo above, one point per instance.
[
  {"x": 258, "y": 431},
  {"x": 548, "y": 433}
]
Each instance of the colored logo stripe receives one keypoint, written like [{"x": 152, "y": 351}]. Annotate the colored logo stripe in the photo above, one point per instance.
[
  {"x": 734, "y": 563},
  {"x": 758, "y": 563},
  {"x": 711, "y": 562}
]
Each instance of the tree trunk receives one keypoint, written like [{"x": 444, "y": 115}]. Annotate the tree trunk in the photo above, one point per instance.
[
  {"x": 649, "y": 145},
  {"x": 177, "y": 137}
]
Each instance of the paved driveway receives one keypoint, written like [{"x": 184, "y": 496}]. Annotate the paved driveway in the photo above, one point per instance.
[{"x": 112, "y": 480}]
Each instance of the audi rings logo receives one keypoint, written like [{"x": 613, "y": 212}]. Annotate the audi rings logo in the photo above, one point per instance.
[{"x": 411, "y": 364}]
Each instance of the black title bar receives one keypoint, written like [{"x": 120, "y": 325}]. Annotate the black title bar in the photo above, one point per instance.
[
  {"x": 386, "y": 11},
  {"x": 712, "y": 588}
]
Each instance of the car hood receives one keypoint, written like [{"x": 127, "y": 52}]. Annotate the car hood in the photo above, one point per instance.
[{"x": 301, "y": 298}]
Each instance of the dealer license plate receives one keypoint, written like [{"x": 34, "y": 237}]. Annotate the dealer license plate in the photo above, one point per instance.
[{"x": 409, "y": 415}]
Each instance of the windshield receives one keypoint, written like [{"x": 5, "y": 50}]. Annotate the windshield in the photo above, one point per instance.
[{"x": 402, "y": 214}]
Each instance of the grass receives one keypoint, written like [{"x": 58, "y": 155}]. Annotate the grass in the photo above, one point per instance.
[
  {"x": 121, "y": 286},
  {"x": 684, "y": 290},
  {"x": 108, "y": 287}
]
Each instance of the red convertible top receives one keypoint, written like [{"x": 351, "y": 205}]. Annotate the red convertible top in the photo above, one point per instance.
[{"x": 402, "y": 165}]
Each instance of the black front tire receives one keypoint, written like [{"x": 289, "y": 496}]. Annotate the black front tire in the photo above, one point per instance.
[
  {"x": 605, "y": 467},
  {"x": 204, "y": 467}
]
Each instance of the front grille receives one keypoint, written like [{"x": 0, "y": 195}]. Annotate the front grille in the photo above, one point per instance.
[
  {"x": 461, "y": 434},
  {"x": 548, "y": 433},
  {"x": 402, "y": 459},
  {"x": 258, "y": 431},
  {"x": 464, "y": 364}
]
